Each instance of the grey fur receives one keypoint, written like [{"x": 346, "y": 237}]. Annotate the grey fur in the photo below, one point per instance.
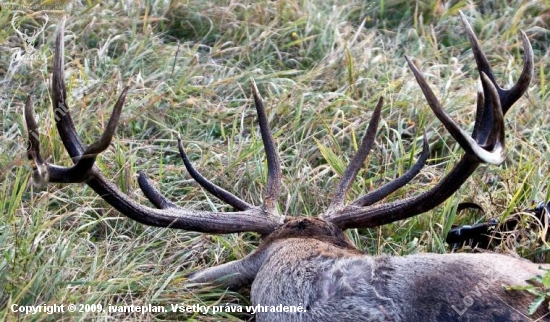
[{"x": 333, "y": 281}]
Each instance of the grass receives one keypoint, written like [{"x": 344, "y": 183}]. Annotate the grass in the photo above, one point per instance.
[{"x": 320, "y": 66}]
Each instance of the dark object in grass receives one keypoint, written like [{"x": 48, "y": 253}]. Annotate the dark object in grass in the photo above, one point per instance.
[{"x": 488, "y": 235}]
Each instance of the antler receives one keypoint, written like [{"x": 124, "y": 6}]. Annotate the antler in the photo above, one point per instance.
[
  {"x": 486, "y": 145},
  {"x": 29, "y": 39},
  {"x": 356, "y": 163},
  {"x": 38, "y": 32},
  {"x": 22, "y": 35},
  {"x": 258, "y": 219}
]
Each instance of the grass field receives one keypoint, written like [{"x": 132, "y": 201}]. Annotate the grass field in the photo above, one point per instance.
[{"x": 320, "y": 66}]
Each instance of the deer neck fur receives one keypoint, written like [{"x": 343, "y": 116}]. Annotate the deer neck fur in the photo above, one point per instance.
[{"x": 309, "y": 262}]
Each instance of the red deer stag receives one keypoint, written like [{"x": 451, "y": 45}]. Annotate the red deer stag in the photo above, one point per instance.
[{"x": 309, "y": 262}]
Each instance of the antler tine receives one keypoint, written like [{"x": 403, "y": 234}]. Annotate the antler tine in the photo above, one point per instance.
[
  {"x": 494, "y": 152},
  {"x": 83, "y": 167},
  {"x": 381, "y": 214},
  {"x": 466, "y": 142},
  {"x": 40, "y": 173},
  {"x": 486, "y": 145},
  {"x": 253, "y": 219},
  {"x": 390, "y": 187},
  {"x": 63, "y": 120},
  {"x": 103, "y": 143},
  {"x": 274, "y": 170},
  {"x": 152, "y": 193},
  {"x": 507, "y": 97},
  {"x": 356, "y": 162},
  {"x": 215, "y": 190},
  {"x": 23, "y": 36},
  {"x": 33, "y": 150},
  {"x": 162, "y": 202},
  {"x": 274, "y": 175},
  {"x": 87, "y": 159}
]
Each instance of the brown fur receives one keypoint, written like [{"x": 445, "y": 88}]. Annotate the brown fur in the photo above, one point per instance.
[{"x": 310, "y": 262}]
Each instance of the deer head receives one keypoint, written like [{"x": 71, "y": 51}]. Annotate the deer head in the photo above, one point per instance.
[{"x": 310, "y": 260}]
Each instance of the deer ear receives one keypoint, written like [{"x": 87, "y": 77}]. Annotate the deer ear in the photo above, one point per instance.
[{"x": 233, "y": 275}]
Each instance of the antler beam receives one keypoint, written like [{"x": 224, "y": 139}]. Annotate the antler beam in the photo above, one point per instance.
[{"x": 250, "y": 218}]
